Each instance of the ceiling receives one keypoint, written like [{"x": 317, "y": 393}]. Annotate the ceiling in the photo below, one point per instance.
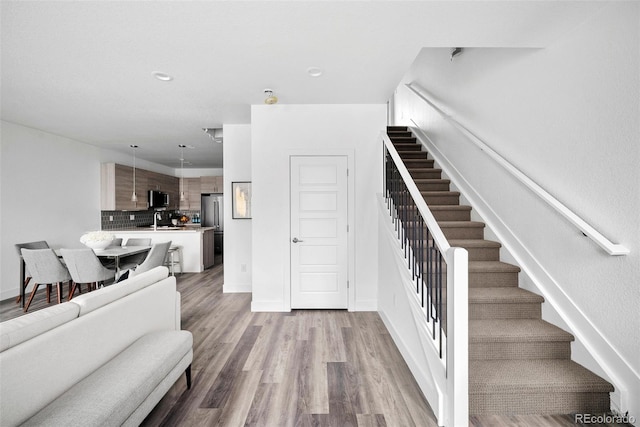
[{"x": 83, "y": 69}]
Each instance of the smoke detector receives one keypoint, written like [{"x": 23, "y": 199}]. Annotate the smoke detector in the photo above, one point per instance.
[{"x": 271, "y": 98}]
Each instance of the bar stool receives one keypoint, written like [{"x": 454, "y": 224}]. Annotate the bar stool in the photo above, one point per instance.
[{"x": 171, "y": 260}]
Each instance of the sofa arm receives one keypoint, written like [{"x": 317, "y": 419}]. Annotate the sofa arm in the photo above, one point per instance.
[{"x": 178, "y": 313}]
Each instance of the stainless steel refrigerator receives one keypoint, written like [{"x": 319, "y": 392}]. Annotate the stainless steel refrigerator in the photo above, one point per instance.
[{"x": 212, "y": 215}]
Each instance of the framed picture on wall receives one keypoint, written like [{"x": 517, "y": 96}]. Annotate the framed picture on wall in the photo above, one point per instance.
[{"x": 241, "y": 200}]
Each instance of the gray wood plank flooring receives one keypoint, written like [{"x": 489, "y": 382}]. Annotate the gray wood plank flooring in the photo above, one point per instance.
[{"x": 304, "y": 368}]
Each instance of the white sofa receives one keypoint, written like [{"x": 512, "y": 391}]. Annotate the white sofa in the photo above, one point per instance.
[{"x": 105, "y": 358}]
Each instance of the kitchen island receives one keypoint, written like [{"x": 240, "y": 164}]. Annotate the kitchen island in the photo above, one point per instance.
[{"x": 197, "y": 243}]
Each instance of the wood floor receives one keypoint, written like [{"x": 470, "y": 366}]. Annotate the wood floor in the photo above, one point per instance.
[{"x": 304, "y": 368}]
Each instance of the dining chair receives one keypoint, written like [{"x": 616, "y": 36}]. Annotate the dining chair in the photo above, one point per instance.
[
  {"x": 154, "y": 259},
  {"x": 138, "y": 241},
  {"x": 45, "y": 269},
  {"x": 116, "y": 242},
  {"x": 85, "y": 267},
  {"x": 109, "y": 263},
  {"x": 134, "y": 260},
  {"x": 41, "y": 244}
]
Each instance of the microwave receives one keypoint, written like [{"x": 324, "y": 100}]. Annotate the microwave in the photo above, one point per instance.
[{"x": 158, "y": 199}]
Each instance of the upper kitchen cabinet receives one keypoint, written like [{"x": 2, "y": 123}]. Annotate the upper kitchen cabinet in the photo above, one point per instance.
[
  {"x": 117, "y": 187},
  {"x": 167, "y": 184},
  {"x": 211, "y": 184},
  {"x": 191, "y": 193}
]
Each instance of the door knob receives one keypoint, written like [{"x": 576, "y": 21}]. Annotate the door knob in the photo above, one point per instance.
[{"x": 295, "y": 240}]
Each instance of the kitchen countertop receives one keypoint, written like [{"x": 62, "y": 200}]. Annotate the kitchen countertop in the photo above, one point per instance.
[{"x": 164, "y": 229}]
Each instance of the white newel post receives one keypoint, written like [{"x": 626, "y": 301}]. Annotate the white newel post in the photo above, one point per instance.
[{"x": 457, "y": 400}]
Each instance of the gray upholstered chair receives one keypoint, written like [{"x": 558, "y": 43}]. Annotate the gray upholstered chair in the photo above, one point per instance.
[
  {"x": 85, "y": 267},
  {"x": 116, "y": 242},
  {"x": 134, "y": 260},
  {"x": 135, "y": 241},
  {"x": 155, "y": 258},
  {"x": 45, "y": 269},
  {"x": 27, "y": 276},
  {"x": 109, "y": 263}
]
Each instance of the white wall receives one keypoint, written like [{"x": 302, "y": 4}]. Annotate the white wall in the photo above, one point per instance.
[
  {"x": 568, "y": 117},
  {"x": 395, "y": 308},
  {"x": 50, "y": 190},
  {"x": 277, "y": 131},
  {"x": 237, "y": 232}
]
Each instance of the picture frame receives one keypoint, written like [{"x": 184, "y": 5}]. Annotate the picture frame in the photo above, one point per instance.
[{"x": 241, "y": 200}]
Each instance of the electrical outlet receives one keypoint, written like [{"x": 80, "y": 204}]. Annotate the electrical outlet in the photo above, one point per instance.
[
  {"x": 110, "y": 217},
  {"x": 243, "y": 268},
  {"x": 132, "y": 217}
]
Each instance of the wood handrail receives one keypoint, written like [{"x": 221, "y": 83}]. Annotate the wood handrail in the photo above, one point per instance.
[{"x": 610, "y": 247}]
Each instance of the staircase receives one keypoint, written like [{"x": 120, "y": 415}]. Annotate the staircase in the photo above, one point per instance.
[{"x": 518, "y": 363}]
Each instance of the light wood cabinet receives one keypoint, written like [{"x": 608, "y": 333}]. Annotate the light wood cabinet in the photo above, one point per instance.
[
  {"x": 116, "y": 183},
  {"x": 211, "y": 184},
  {"x": 191, "y": 188},
  {"x": 208, "y": 248}
]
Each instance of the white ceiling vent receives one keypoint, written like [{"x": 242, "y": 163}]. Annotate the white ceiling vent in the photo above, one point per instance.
[{"x": 214, "y": 133}]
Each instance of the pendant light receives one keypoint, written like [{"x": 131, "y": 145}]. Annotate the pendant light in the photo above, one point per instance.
[
  {"x": 134, "y": 196},
  {"x": 182, "y": 196}
]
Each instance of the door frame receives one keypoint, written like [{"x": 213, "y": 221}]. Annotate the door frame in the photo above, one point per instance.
[{"x": 351, "y": 253}]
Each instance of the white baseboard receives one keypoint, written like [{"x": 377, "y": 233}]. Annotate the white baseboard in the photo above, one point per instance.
[
  {"x": 232, "y": 288},
  {"x": 366, "y": 305},
  {"x": 9, "y": 293}
]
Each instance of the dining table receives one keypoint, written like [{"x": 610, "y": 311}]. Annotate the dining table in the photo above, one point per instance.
[{"x": 114, "y": 253}]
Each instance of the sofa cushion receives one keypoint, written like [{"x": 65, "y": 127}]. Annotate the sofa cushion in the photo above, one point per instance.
[
  {"x": 23, "y": 328},
  {"x": 109, "y": 395},
  {"x": 93, "y": 300}
]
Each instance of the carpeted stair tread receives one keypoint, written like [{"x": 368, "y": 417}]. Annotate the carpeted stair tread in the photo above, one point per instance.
[
  {"x": 492, "y": 267},
  {"x": 402, "y": 139},
  {"x": 474, "y": 243},
  {"x": 503, "y": 296},
  {"x": 450, "y": 208},
  {"x": 516, "y": 330},
  {"x": 440, "y": 193},
  {"x": 418, "y": 163},
  {"x": 434, "y": 181},
  {"x": 414, "y": 169},
  {"x": 459, "y": 224},
  {"x": 408, "y": 146},
  {"x": 412, "y": 154},
  {"x": 533, "y": 376}
]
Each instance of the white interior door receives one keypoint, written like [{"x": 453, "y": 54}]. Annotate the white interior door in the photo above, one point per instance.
[{"x": 318, "y": 239}]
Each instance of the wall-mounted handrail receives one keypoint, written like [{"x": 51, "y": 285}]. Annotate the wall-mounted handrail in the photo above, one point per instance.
[{"x": 610, "y": 247}]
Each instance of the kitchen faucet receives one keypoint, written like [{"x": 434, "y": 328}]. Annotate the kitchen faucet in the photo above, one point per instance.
[{"x": 155, "y": 221}]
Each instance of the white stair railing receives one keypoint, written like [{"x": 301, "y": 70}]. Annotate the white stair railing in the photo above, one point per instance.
[{"x": 435, "y": 266}]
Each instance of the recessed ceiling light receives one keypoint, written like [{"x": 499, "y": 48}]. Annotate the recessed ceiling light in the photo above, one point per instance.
[
  {"x": 314, "y": 71},
  {"x": 162, "y": 76}
]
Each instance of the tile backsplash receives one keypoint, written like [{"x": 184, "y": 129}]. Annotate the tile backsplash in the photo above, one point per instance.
[{"x": 117, "y": 220}]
